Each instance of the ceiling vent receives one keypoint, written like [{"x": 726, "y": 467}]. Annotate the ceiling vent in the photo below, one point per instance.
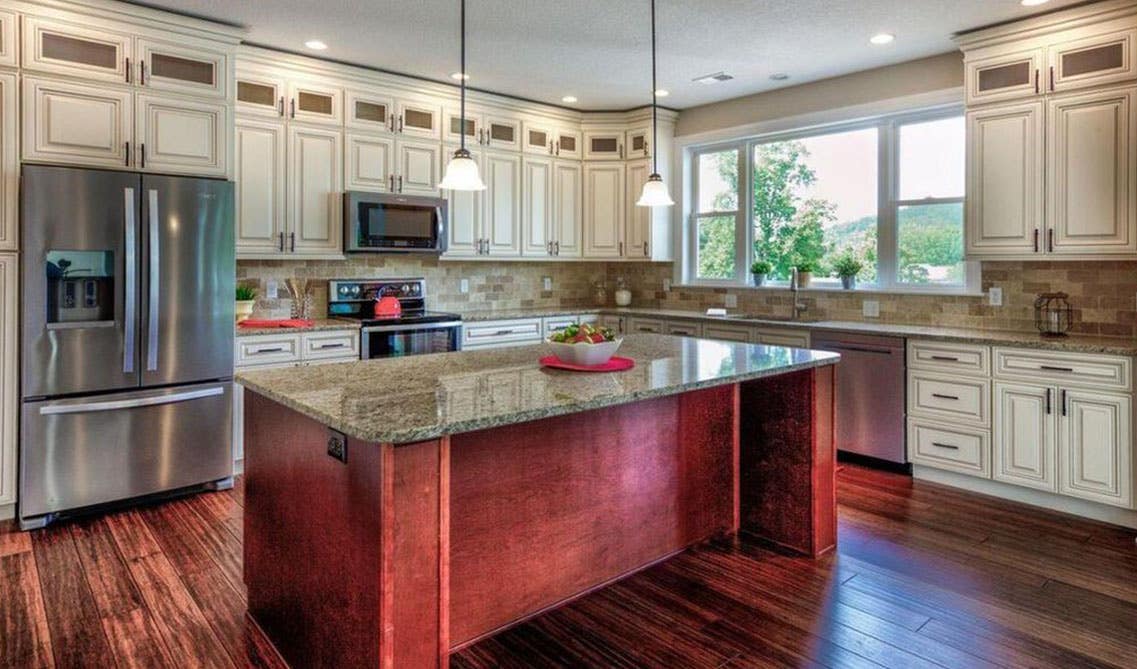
[{"x": 712, "y": 78}]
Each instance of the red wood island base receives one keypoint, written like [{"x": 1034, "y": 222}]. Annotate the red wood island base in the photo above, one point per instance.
[{"x": 405, "y": 553}]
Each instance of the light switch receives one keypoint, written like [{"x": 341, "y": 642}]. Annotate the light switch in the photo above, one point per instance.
[
  {"x": 731, "y": 301},
  {"x": 871, "y": 309},
  {"x": 667, "y": 285},
  {"x": 546, "y": 283},
  {"x": 464, "y": 286},
  {"x": 995, "y": 297},
  {"x": 271, "y": 286}
]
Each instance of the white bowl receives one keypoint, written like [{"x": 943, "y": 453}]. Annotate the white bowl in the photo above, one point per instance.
[{"x": 586, "y": 355}]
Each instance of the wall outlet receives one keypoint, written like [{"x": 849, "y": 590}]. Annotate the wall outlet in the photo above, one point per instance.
[
  {"x": 271, "y": 288},
  {"x": 871, "y": 309},
  {"x": 995, "y": 297},
  {"x": 667, "y": 285},
  {"x": 731, "y": 301},
  {"x": 464, "y": 286},
  {"x": 547, "y": 283}
]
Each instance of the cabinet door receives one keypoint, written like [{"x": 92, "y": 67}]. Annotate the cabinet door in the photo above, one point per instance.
[
  {"x": 370, "y": 112},
  {"x": 1005, "y": 180},
  {"x": 63, "y": 48},
  {"x": 604, "y": 145},
  {"x": 503, "y": 203},
  {"x": 9, "y": 164},
  {"x": 1092, "y": 181},
  {"x": 539, "y": 201},
  {"x": 8, "y": 44},
  {"x": 1096, "y": 447},
  {"x": 312, "y": 102},
  {"x": 501, "y": 133},
  {"x": 76, "y": 124},
  {"x": 452, "y": 127},
  {"x": 638, "y": 219},
  {"x": 315, "y": 191},
  {"x": 183, "y": 68},
  {"x": 370, "y": 160},
  {"x": 1081, "y": 62},
  {"x": 261, "y": 94},
  {"x": 567, "y": 228},
  {"x": 259, "y": 170},
  {"x": 418, "y": 167},
  {"x": 604, "y": 210},
  {"x": 464, "y": 209},
  {"x": 1026, "y": 444},
  {"x": 1003, "y": 76},
  {"x": 177, "y": 136},
  {"x": 9, "y": 397},
  {"x": 567, "y": 144},
  {"x": 639, "y": 143},
  {"x": 418, "y": 119},
  {"x": 537, "y": 139}
]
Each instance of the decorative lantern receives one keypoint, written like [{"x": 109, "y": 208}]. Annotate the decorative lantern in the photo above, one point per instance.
[{"x": 1052, "y": 314}]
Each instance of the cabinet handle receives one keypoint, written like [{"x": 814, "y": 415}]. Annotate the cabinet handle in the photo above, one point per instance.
[
  {"x": 282, "y": 242},
  {"x": 621, "y": 150},
  {"x": 1050, "y": 240},
  {"x": 292, "y": 108},
  {"x": 502, "y": 332},
  {"x": 1036, "y": 240},
  {"x": 1047, "y": 401},
  {"x": 556, "y": 248},
  {"x": 1048, "y": 368},
  {"x": 945, "y": 358},
  {"x": 142, "y": 73},
  {"x": 281, "y": 104},
  {"x": 292, "y": 242},
  {"x": 951, "y": 447},
  {"x": 400, "y": 183},
  {"x": 401, "y": 123},
  {"x": 278, "y": 349},
  {"x": 646, "y": 152},
  {"x": 1052, "y": 77},
  {"x": 391, "y": 182},
  {"x": 552, "y": 151},
  {"x": 620, "y": 247},
  {"x": 324, "y": 347},
  {"x": 1036, "y": 90},
  {"x": 558, "y": 151},
  {"x": 645, "y": 249},
  {"x": 1062, "y": 401},
  {"x": 548, "y": 248},
  {"x": 128, "y": 70},
  {"x": 128, "y": 154},
  {"x": 142, "y": 163},
  {"x": 946, "y": 397}
]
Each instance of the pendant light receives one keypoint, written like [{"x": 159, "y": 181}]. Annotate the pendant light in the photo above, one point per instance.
[
  {"x": 462, "y": 171},
  {"x": 655, "y": 191}
]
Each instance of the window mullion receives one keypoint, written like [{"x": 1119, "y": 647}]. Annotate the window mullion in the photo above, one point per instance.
[{"x": 887, "y": 188}]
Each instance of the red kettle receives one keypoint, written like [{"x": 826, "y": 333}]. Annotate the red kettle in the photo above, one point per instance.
[{"x": 388, "y": 307}]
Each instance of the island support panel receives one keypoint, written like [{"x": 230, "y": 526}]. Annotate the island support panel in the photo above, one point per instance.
[{"x": 406, "y": 552}]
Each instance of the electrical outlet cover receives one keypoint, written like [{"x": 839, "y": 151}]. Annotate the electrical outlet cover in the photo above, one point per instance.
[
  {"x": 667, "y": 285},
  {"x": 464, "y": 286},
  {"x": 547, "y": 282},
  {"x": 731, "y": 301},
  {"x": 995, "y": 296},
  {"x": 871, "y": 309},
  {"x": 271, "y": 288}
]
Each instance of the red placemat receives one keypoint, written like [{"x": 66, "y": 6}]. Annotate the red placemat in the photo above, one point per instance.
[{"x": 614, "y": 364}]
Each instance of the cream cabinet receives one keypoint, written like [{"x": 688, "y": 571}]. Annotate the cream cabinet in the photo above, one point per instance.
[
  {"x": 727, "y": 332},
  {"x": 178, "y": 136},
  {"x": 9, "y": 163},
  {"x": 567, "y": 209},
  {"x": 67, "y": 122},
  {"x": 418, "y": 167},
  {"x": 9, "y": 49},
  {"x": 490, "y": 130},
  {"x": 638, "y": 142},
  {"x": 1096, "y": 446},
  {"x": 551, "y": 207},
  {"x": 1026, "y": 444},
  {"x": 370, "y": 111},
  {"x": 186, "y": 66},
  {"x": 1088, "y": 57},
  {"x": 790, "y": 337},
  {"x": 260, "y": 167},
  {"x": 417, "y": 118},
  {"x": 261, "y": 93},
  {"x": 370, "y": 162},
  {"x": 604, "y": 144},
  {"x": 57, "y": 46},
  {"x": 546, "y": 139},
  {"x": 9, "y": 369},
  {"x": 315, "y": 191},
  {"x": 637, "y": 219},
  {"x": 315, "y": 102},
  {"x": 465, "y": 235},
  {"x": 489, "y": 222},
  {"x": 283, "y": 94},
  {"x": 604, "y": 198}
]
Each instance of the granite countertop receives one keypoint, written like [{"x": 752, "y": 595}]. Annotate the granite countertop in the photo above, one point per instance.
[
  {"x": 402, "y": 400},
  {"x": 1074, "y": 343},
  {"x": 317, "y": 325}
]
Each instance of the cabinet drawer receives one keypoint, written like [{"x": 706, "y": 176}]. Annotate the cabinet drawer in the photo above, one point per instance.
[
  {"x": 502, "y": 332},
  {"x": 949, "y": 357},
  {"x": 330, "y": 345},
  {"x": 961, "y": 449},
  {"x": 1102, "y": 371},
  {"x": 267, "y": 350},
  {"x": 645, "y": 325},
  {"x": 727, "y": 332},
  {"x": 683, "y": 329},
  {"x": 949, "y": 398},
  {"x": 554, "y": 323},
  {"x": 782, "y": 337}
]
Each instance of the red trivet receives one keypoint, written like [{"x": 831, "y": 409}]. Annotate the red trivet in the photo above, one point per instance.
[{"x": 614, "y": 364}]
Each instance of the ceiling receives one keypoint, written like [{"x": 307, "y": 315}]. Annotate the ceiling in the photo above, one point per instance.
[{"x": 599, "y": 50}]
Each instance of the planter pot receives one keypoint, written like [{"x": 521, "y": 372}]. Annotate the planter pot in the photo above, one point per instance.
[
  {"x": 244, "y": 309},
  {"x": 803, "y": 279},
  {"x": 848, "y": 282},
  {"x": 758, "y": 279}
]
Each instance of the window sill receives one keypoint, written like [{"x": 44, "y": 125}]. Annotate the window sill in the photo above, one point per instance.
[{"x": 959, "y": 291}]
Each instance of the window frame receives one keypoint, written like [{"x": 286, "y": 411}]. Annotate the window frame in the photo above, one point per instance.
[{"x": 888, "y": 204}]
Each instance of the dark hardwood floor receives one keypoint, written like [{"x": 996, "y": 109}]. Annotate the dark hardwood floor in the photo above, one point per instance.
[{"x": 924, "y": 577}]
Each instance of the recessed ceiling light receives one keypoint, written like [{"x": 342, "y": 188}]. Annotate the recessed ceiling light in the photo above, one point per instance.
[
  {"x": 712, "y": 78},
  {"x": 662, "y": 92},
  {"x": 882, "y": 38},
  {"x": 315, "y": 45},
  {"x": 779, "y": 76},
  {"x": 458, "y": 76},
  {"x": 569, "y": 99},
  {"x": 1032, "y": 3}
]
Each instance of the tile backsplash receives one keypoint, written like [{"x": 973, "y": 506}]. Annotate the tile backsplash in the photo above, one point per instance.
[{"x": 1103, "y": 294}]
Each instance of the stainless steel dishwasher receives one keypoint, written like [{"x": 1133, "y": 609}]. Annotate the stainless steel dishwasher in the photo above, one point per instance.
[{"x": 871, "y": 387}]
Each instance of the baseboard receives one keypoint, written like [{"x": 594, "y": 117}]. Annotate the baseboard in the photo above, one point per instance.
[
  {"x": 7, "y": 511},
  {"x": 1046, "y": 500}
]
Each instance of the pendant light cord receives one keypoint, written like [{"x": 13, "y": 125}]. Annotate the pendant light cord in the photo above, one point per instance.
[
  {"x": 462, "y": 80},
  {"x": 654, "y": 122}
]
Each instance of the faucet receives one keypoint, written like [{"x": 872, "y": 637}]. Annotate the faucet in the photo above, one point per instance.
[{"x": 799, "y": 307}]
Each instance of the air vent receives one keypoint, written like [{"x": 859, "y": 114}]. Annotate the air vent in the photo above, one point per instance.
[{"x": 713, "y": 78}]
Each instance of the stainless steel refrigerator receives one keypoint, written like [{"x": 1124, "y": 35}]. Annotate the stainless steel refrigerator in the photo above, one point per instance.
[{"x": 127, "y": 337}]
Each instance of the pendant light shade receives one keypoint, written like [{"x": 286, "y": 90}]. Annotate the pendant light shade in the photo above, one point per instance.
[
  {"x": 462, "y": 171},
  {"x": 655, "y": 190}
]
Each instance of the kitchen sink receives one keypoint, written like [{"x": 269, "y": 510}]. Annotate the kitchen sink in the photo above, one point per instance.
[{"x": 773, "y": 317}]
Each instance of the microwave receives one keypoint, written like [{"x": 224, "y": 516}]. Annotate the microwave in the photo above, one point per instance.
[{"x": 390, "y": 222}]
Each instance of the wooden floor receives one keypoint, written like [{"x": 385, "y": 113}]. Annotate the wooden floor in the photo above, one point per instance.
[{"x": 924, "y": 577}]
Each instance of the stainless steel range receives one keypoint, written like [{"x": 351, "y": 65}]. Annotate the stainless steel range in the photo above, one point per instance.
[{"x": 413, "y": 331}]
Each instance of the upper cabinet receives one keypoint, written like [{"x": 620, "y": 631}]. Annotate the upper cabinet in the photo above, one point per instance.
[
  {"x": 1004, "y": 76},
  {"x": 68, "y": 122},
  {"x": 9, "y": 49},
  {"x": 59, "y": 47},
  {"x": 9, "y": 162},
  {"x": 1083, "y": 60},
  {"x": 491, "y": 130},
  {"x": 604, "y": 145},
  {"x": 182, "y": 67},
  {"x": 177, "y": 136},
  {"x": 639, "y": 143},
  {"x": 315, "y": 102},
  {"x": 370, "y": 112}
]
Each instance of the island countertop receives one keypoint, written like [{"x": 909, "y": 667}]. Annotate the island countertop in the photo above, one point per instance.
[{"x": 403, "y": 400}]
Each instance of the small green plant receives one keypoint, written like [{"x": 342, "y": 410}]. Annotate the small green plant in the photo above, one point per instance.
[
  {"x": 806, "y": 266},
  {"x": 761, "y": 267},
  {"x": 848, "y": 265},
  {"x": 246, "y": 293}
]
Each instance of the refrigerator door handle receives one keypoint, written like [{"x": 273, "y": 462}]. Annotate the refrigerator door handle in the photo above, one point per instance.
[
  {"x": 116, "y": 405},
  {"x": 155, "y": 277},
  {"x": 130, "y": 304}
]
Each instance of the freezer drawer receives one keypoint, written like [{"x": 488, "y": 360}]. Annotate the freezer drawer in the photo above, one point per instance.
[{"x": 80, "y": 452}]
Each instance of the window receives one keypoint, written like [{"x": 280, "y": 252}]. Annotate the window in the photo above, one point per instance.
[{"x": 888, "y": 193}]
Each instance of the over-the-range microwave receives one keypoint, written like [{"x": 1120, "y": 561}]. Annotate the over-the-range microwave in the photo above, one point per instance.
[{"x": 390, "y": 222}]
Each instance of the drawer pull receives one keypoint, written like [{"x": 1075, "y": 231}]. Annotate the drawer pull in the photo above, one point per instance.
[
  {"x": 502, "y": 332},
  {"x": 950, "y": 447},
  {"x": 945, "y": 358},
  {"x": 278, "y": 349},
  {"x": 323, "y": 347},
  {"x": 1049, "y": 368},
  {"x": 945, "y": 397}
]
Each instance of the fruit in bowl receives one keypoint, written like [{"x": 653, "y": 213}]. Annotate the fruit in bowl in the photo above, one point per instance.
[{"x": 584, "y": 344}]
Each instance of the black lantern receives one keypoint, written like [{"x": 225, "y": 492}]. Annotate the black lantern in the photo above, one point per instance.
[{"x": 1052, "y": 314}]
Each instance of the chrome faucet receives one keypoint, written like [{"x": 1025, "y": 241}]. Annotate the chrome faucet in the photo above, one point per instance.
[{"x": 799, "y": 307}]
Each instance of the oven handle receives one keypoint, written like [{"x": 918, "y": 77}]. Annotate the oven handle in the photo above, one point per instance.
[{"x": 412, "y": 328}]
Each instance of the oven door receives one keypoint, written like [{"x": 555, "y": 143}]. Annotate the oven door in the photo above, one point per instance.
[
  {"x": 390, "y": 222},
  {"x": 392, "y": 341}
]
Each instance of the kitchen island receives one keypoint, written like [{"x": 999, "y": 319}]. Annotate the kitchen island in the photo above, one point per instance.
[{"x": 397, "y": 510}]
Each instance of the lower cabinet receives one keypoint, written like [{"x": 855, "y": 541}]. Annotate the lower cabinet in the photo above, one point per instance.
[
  {"x": 9, "y": 390},
  {"x": 1026, "y": 436},
  {"x": 1095, "y": 444}
]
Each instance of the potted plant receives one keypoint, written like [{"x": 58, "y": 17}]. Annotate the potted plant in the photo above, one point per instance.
[
  {"x": 246, "y": 300},
  {"x": 848, "y": 267},
  {"x": 759, "y": 270},
  {"x": 805, "y": 270}
]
